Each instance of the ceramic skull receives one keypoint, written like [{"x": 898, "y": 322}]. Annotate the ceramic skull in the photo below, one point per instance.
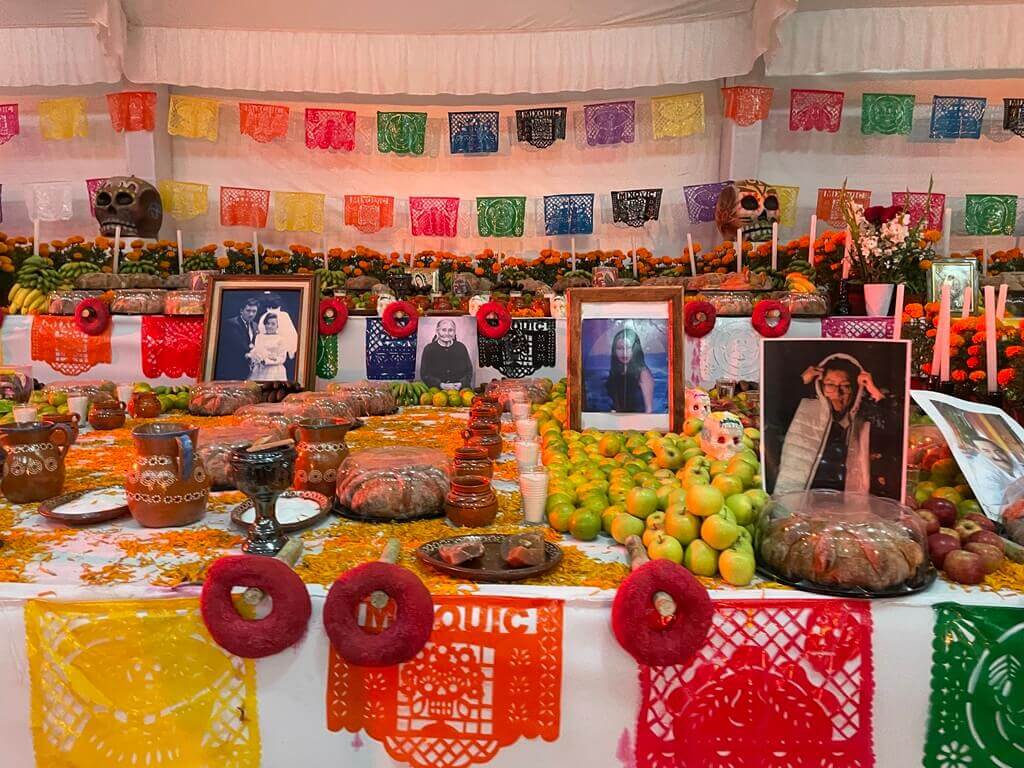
[
  {"x": 721, "y": 437},
  {"x": 698, "y": 404},
  {"x": 132, "y": 204},
  {"x": 749, "y": 205}
]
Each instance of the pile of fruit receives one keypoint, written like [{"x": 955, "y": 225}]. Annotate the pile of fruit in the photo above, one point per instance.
[
  {"x": 171, "y": 398},
  {"x": 46, "y": 403},
  {"x": 34, "y": 280},
  {"x": 685, "y": 506},
  {"x": 418, "y": 393}
]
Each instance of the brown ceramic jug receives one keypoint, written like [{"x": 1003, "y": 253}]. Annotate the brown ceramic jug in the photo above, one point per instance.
[
  {"x": 471, "y": 502},
  {"x": 107, "y": 414},
  {"x": 34, "y": 460},
  {"x": 167, "y": 485},
  {"x": 321, "y": 447},
  {"x": 483, "y": 413},
  {"x": 472, "y": 460},
  {"x": 71, "y": 419},
  {"x": 145, "y": 405},
  {"x": 484, "y": 436}
]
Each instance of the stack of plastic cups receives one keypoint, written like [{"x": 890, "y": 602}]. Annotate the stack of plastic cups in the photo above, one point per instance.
[
  {"x": 527, "y": 454},
  {"x": 526, "y": 429},
  {"x": 533, "y": 485},
  {"x": 520, "y": 411}
]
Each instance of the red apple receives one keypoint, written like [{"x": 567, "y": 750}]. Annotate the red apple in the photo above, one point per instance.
[
  {"x": 943, "y": 509},
  {"x": 985, "y": 522},
  {"x": 931, "y": 522},
  {"x": 991, "y": 558},
  {"x": 964, "y": 567},
  {"x": 967, "y": 528},
  {"x": 940, "y": 545},
  {"x": 950, "y": 532},
  {"x": 991, "y": 538}
]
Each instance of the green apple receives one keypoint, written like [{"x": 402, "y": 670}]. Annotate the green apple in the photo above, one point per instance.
[
  {"x": 757, "y": 497},
  {"x": 677, "y": 496},
  {"x": 610, "y": 444},
  {"x": 718, "y": 467},
  {"x": 719, "y": 532},
  {"x": 697, "y": 462},
  {"x": 662, "y": 473},
  {"x": 695, "y": 477},
  {"x": 968, "y": 506},
  {"x": 624, "y": 526},
  {"x": 752, "y": 433},
  {"x": 692, "y": 426},
  {"x": 737, "y": 567},
  {"x": 595, "y": 504},
  {"x": 609, "y": 514},
  {"x": 664, "y": 547},
  {"x": 692, "y": 453},
  {"x": 703, "y": 500},
  {"x": 585, "y": 525},
  {"x": 560, "y": 517},
  {"x": 653, "y": 525},
  {"x": 727, "y": 484},
  {"x": 681, "y": 525},
  {"x": 741, "y": 470},
  {"x": 641, "y": 502},
  {"x": 700, "y": 559},
  {"x": 663, "y": 492},
  {"x": 557, "y": 498},
  {"x": 668, "y": 456},
  {"x": 741, "y": 506}
]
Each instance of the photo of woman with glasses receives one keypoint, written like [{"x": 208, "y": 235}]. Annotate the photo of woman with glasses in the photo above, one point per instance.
[{"x": 847, "y": 422}]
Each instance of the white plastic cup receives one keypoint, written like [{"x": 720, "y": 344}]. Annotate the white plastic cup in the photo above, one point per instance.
[
  {"x": 124, "y": 392},
  {"x": 25, "y": 414},
  {"x": 526, "y": 429},
  {"x": 527, "y": 453},
  {"x": 533, "y": 486},
  {"x": 520, "y": 411},
  {"x": 79, "y": 404}
]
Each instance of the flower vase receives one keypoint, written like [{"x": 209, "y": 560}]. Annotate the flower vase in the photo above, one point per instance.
[{"x": 878, "y": 299}]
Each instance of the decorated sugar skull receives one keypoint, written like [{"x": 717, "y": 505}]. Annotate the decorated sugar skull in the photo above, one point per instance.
[
  {"x": 698, "y": 404},
  {"x": 749, "y": 205},
  {"x": 721, "y": 438},
  {"x": 382, "y": 302},
  {"x": 559, "y": 306},
  {"x": 130, "y": 203}
]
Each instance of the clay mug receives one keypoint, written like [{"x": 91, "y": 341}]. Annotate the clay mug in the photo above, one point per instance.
[
  {"x": 145, "y": 405},
  {"x": 34, "y": 460},
  {"x": 167, "y": 484},
  {"x": 485, "y": 436},
  {"x": 320, "y": 446}
]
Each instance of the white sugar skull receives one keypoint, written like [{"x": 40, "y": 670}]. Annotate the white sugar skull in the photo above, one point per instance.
[
  {"x": 382, "y": 302},
  {"x": 721, "y": 438},
  {"x": 750, "y": 205},
  {"x": 477, "y": 301},
  {"x": 698, "y": 404},
  {"x": 559, "y": 306}
]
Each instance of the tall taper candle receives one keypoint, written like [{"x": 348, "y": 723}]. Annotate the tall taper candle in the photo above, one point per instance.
[
  {"x": 810, "y": 241},
  {"x": 897, "y": 320},
  {"x": 256, "y": 250},
  {"x": 775, "y": 246},
  {"x": 966, "y": 305},
  {"x": 990, "y": 339},
  {"x": 117, "y": 247},
  {"x": 947, "y": 222},
  {"x": 944, "y": 322},
  {"x": 35, "y": 237},
  {"x": 1001, "y": 301},
  {"x": 572, "y": 245},
  {"x": 693, "y": 258},
  {"x": 181, "y": 254},
  {"x": 739, "y": 251}
]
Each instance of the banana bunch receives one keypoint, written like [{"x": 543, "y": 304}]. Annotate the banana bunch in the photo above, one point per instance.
[
  {"x": 796, "y": 282},
  {"x": 200, "y": 262},
  {"x": 138, "y": 268},
  {"x": 331, "y": 278},
  {"x": 73, "y": 270},
  {"x": 802, "y": 266},
  {"x": 32, "y": 285},
  {"x": 408, "y": 392}
]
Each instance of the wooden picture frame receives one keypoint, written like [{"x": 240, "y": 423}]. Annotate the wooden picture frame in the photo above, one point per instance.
[
  {"x": 261, "y": 288},
  {"x": 967, "y": 270},
  {"x": 619, "y": 301}
]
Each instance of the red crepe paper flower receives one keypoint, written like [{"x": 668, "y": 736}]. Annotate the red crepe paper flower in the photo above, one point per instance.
[
  {"x": 771, "y": 318},
  {"x": 879, "y": 214},
  {"x": 92, "y": 317},
  {"x": 281, "y": 628},
  {"x": 333, "y": 316},
  {"x": 493, "y": 320},
  {"x": 400, "y": 319},
  {"x": 699, "y": 318}
]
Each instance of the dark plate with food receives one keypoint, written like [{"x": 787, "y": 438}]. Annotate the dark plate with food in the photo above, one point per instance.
[{"x": 492, "y": 557}]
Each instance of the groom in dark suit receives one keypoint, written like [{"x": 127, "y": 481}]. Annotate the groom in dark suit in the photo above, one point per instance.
[{"x": 236, "y": 339}]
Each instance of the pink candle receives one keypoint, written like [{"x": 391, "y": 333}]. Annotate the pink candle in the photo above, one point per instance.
[
  {"x": 1001, "y": 301},
  {"x": 897, "y": 324},
  {"x": 990, "y": 338},
  {"x": 965, "y": 310},
  {"x": 810, "y": 240},
  {"x": 944, "y": 332}
]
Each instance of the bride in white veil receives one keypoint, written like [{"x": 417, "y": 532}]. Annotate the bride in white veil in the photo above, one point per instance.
[{"x": 285, "y": 327}]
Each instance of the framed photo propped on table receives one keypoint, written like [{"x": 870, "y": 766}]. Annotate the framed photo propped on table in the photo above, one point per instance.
[
  {"x": 261, "y": 328},
  {"x": 962, "y": 277},
  {"x": 626, "y": 359}
]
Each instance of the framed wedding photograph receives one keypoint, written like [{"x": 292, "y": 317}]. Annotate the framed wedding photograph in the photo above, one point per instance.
[
  {"x": 625, "y": 367},
  {"x": 834, "y": 415},
  {"x": 261, "y": 328},
  {"x": 962, "y": 277}
]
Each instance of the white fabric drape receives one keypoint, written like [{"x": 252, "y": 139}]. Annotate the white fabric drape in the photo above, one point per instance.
[
  {"x": 920, "y": 38},
  {"x": 34, "y": 56}
]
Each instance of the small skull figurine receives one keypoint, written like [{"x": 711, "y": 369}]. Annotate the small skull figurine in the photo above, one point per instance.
[
  {"x": 721, "y": 437},
  {"x": 698, "y": 404},
  {"x": 748, "y": 205},
  {"x": 130, "y": 203}
]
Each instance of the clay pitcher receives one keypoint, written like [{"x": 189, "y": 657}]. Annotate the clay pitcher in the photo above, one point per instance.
[
  {"x": 167, "y": 484},
  {"x": 145, "y": 405},
  {"x": 34, "y": 460},
  {"x": 321, "y": 447},
  {"x": 484, "y": 436}
]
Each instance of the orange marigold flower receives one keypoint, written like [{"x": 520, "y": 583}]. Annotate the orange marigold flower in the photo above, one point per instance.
[
  {"x": 222, "y": 262},
  {"x": 913, "y": 310},
  {"x": 973, "y": 362},
  {"x": 959, "y": 375},
  {"x": 956, "y": 340},
  {"x": 974, "y": 349},
  {"x": 979, "y": 337},
  {"x": 931, "y": 333},
  {"x": 1004, "y": 377},
  {"x": 932, "y": 235},
  {"x": 977, "y": 376},
  {"x": 926, "y": 369},
  {"x": 1013, "y": 350}
]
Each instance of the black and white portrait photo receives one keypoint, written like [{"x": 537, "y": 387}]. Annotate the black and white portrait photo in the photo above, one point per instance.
[
  {"x": 255, "y": 330},
  {"x": 446, "y": 350},
  {"x": 834, "y": 415}
]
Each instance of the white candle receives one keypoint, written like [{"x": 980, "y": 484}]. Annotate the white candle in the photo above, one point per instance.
[
  {"x": 810, "y": 240},
  {"x": 117, "y": 247},
  {"x": 180, "y": 253},
  {"x": 897, "y": 323},
  {"x": 990, "y": 338},
  {"x": 693, "y": 258},
  {"x": 632, "y": 242},
  {"x": 35, "y": 237},
  {"x": 1001, "y": 301},
  {"x": 775, "y": 246},
  {"x": 965, "y": 310},
  {"x": 739, "y": 251},
  {"x": 984, "y": 258},
  {"x": 846, "y": 255},
  {"x": 944, "y": 332},
  {"x": 947, "y": 219},
  {"x": 572, "y": 245}
]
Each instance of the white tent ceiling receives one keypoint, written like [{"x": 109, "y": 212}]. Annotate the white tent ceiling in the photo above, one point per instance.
[{"x": 412, "y": 47}]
